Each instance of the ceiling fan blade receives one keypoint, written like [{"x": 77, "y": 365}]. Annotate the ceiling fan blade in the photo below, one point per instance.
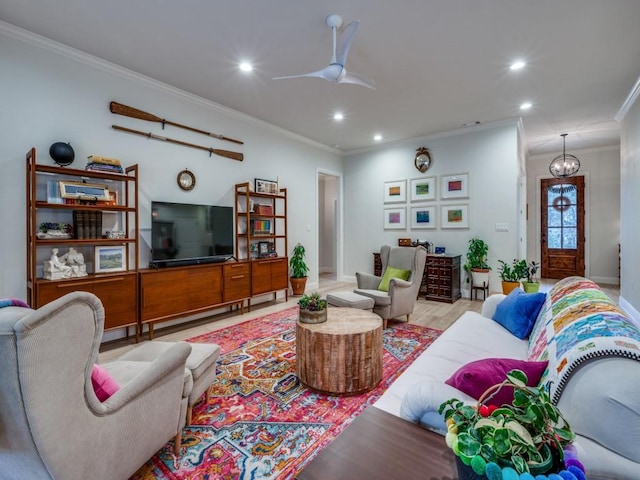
[
  {"x": 356, "y": 79},
  {"x": 344, "y": 42},
  {"x": 330, "y": 72}
]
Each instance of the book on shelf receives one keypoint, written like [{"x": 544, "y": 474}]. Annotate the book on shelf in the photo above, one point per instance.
[
  {"x": 260, "y": 227},
  {"x": 87, "y": 224}
]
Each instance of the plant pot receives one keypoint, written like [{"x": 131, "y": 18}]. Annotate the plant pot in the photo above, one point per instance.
[
  {"x": 298, "y": 285},
  {"x": 480, "y": 277},
  {"x": 465, "y": 472},
  {"x": 308, "y": 316},
  {"x": 508, "y": 286},
  {"x": 530, "y": 287}
]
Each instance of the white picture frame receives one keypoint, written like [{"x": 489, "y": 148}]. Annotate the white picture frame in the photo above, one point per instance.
[
  {"x": 111, "y": 258},
  {"x": 454, "y": 216},
  {"x": 395, "y": 218},
  {"x": 422, "y": 189},
  {"x": 423, "y": 217},
  {"x": 395, "y": 191},
  {"x": 454, "y": 186}
]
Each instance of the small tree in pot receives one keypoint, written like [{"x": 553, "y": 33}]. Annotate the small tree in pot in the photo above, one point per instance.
[
  {"x": 531, "y": 285},
  {"x": 477, "y": 266},
  {"x": 298, "y": 270},
  {"x": 512, "y": 274}
]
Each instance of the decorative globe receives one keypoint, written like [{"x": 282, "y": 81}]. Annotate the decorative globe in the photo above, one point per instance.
[{"x": 62, "y": 153}]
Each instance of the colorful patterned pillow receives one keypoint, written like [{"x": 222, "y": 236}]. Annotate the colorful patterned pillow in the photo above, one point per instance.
[
  {"x": 518, "y": 311},
  {"x": 12, "y": 302},
  {"x": 475, "y": 378}
]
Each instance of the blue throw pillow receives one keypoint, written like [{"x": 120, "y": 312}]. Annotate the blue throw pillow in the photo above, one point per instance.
[{"x": 518, "y": 312}]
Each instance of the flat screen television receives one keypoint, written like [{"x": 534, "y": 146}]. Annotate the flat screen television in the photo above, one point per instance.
[{"x": 188, "y": 234}]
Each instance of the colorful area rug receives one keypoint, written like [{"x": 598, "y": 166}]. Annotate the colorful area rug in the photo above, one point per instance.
[{"x": 260, "y": 421}]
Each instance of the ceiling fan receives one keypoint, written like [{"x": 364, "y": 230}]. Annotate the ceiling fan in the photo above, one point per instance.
[{"x": 336, "y": 71}]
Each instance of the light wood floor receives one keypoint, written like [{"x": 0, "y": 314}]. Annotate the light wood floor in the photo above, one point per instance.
[{"x": 436, "y": 315}]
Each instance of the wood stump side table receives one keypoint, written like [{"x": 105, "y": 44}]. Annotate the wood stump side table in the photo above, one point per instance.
[{"x": 342, "y": 356}]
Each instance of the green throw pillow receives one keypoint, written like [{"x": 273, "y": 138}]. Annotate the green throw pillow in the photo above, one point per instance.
[{"x": 390, "y": 273}]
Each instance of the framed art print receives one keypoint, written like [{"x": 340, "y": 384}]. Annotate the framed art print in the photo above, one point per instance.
[
  {"x": 423, "y": 217},
  {"x": 454, "y": 186},
  {"x": 454, "y": 216},
  {"x": 395, "y": 218},
  {"x": 266, "y": 186},
  {"x": 395, "y": 192},
  {"x": 109, "y": 259},
  {"x": 423, "y": 189}
]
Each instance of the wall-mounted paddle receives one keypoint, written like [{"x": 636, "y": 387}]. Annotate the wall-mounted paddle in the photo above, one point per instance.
[
  {"x": 223, "y": 153},
  {"x": 127, "y": 111}
]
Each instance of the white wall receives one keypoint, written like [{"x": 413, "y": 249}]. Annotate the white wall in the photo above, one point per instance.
[
  {"x": 601, "y": 169},
  {"x": 328, "y": 196},
  {"x": 630, "y": 203},
  {"x": 51, "y": 93},
  {"x": 489, "y": 155}
]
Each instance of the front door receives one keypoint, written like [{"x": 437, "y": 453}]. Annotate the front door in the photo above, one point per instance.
[{"x": 562, "y": 227}]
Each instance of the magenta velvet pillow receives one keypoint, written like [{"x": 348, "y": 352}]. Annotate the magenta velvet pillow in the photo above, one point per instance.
[
  {"x": 475, "y": 378},
  {"x": 103, "y": 384}
]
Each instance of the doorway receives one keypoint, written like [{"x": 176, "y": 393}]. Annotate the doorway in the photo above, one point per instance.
[
  {"x": 329, "y": 188},
  {"x": 562, "y": 227}
]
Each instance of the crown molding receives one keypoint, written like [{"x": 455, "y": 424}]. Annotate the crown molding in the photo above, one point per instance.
[
  {"x": 629, "y": 101},
  {"x": 114, "y": 69}
]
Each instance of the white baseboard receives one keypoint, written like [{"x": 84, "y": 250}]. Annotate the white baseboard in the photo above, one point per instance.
[
  {"x": 606, "y": 280},
  {"x": 349, "y": 278}
]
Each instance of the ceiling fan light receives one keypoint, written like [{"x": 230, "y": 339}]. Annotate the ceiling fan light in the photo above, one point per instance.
[{"x": 564, "y": 165}]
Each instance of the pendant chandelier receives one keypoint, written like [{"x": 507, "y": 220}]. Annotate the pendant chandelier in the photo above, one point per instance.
[{"x": 564, "y": 165}]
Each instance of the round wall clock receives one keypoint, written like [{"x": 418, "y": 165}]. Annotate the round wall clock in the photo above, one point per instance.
[
  {"x": 186, "y": 180},
  {"x": 422, "y": 159}
]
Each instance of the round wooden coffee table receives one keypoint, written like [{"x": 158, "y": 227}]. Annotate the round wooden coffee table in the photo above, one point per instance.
[{"x": 342, "y": 356}]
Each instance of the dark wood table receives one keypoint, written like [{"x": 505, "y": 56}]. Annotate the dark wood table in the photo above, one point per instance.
[{"x": 378, "y": 445}]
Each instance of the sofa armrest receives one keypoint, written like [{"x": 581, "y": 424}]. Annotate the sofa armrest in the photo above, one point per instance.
[
  {"x": 490, "y": 304},
  {"x": 366, "y": 281}
]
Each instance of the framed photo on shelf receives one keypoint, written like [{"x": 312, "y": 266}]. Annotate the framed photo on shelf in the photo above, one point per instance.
[
  {"x": 423, "y": 189},
  {"x": 454, "y": 216},
  {"x": 266, "y": 186},
  {"x": 109, "y": 259},
  {"x": 263, "y": 249},
  {"x": 454, "y": 186},
  {"x": 260, "y": 227},
  {"x": 423, "y": 217},
  {"x": 84, "y": 191},
  {"x": 395, "y": 218},
  {"x": 395, "y": 192}
]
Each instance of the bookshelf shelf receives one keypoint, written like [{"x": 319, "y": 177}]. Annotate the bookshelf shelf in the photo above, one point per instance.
[{"x": 109, "y": 223}]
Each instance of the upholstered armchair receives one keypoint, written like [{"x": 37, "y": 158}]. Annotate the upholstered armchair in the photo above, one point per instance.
[
  {"x": 52, "y": 424},
  {"x": 401, "y": 296}
]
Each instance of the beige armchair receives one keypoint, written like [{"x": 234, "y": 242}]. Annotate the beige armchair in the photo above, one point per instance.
[
  {"x": 402, "y": 294},
  {"x": 52, "y": 425}
]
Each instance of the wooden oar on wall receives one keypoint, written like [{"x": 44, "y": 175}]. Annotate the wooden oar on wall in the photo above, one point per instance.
[
  {"x": 223, "y": 153},
  {"x": 128, "y": 111}
]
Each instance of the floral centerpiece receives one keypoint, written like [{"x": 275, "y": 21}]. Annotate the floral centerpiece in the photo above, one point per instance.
[
  {"x": 525, "y": 440},
  {"x": 313, "y": 309}
]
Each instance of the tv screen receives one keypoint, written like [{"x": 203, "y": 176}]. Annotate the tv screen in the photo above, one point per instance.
[{"x": 184, "y": 234}]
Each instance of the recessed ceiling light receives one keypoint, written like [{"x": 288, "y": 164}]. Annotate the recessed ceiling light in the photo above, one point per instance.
[
  {"x": 517, "y": 65},
  {"x": 338, "y": 116},
  {"x": 246, "y": 67},
  {"x": 377, "y": 137},
  {"x": 525, "y": 106}
]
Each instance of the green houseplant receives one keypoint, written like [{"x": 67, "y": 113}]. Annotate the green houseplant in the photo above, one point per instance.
[
  {"x": 298, "y": 270},
  {"x": 530, "y": 435},
  {"x": 512, "y": 274},
  {"x": 531, "y": 285},
  {"x": 476, "y": 265},
  {"x": 313, "y": 309}
]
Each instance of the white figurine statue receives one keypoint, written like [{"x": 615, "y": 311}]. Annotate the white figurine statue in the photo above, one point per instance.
[
  {"x": 75, "y": 260},
  {"x": 70, "y": 265}
]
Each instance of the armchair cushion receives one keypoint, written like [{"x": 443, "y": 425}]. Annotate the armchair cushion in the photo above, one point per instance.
[
  {"x": 103, "y": 384},
  {"x": 518, "y": 311},
  {"x": 391, "y": 272}
]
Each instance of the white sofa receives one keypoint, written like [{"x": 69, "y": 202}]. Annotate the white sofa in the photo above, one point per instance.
[{"x": 595, "y": 383}]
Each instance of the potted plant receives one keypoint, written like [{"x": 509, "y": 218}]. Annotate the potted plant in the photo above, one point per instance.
[
  {"x": 529, "y": 436},
  {"x": 531, "y": 285},
  {"x": 512, "y": 274},
  {"x": 313, "y": 309},
  {"x": 476, "y": 265},
  {"x": 298, "y": 270}
]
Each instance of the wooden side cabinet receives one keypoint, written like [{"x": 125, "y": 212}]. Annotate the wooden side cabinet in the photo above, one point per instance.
[{"x": 443, "y": 278}]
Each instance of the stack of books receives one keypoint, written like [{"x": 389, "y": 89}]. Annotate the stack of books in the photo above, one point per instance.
[
  {"x": 87, "y": 224},
  {"x": 104, "y": 164}
]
